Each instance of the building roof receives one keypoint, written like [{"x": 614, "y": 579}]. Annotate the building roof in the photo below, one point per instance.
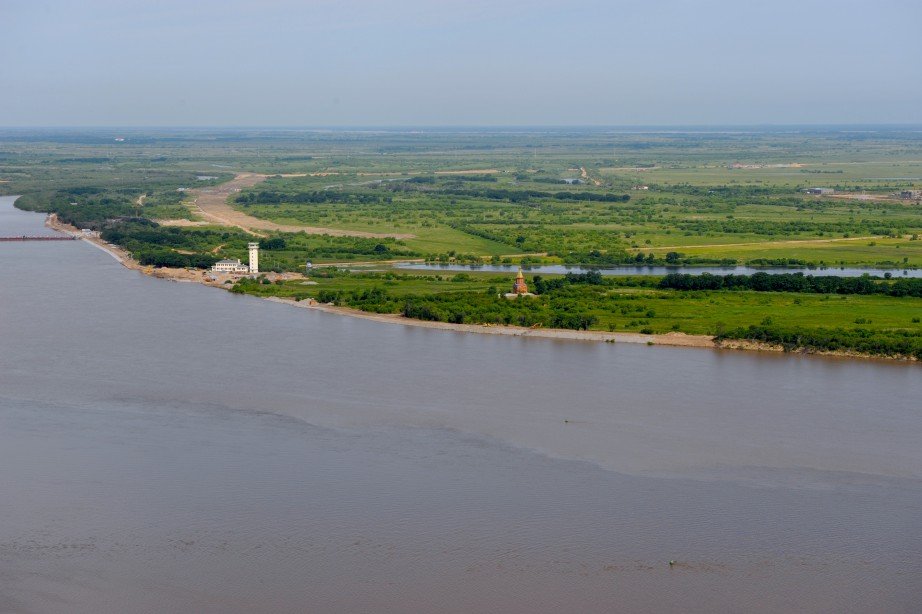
[
  {"x": 521, "y": 275},
  {"x": 227, "y": 261}
]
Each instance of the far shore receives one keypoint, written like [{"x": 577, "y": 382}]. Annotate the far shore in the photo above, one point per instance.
[{"x": 674, "y": 339}]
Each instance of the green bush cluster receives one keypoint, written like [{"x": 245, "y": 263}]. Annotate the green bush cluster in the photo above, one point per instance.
[
  {"x": 876, "y": 342},
  {"x": 794, "y": 282}
]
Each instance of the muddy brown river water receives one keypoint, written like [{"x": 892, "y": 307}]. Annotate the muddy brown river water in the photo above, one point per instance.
[{"x": 171, "y": 447}]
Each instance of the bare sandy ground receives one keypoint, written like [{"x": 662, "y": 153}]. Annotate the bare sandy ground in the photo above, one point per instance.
[
  {"x": 584, "y": 174},
  {"x": 211, "y": 204},
  {"x": 184, "y": 223}
]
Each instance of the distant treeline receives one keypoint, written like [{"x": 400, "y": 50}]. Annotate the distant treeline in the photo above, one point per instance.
[
  {"x": 271, "y": 197},
  {"x": 90, "y": 213},
  {"x": 268, "y": 197},
  {"x": 514, "y": 196},
  {"x": 542, "y": 286},
  {"x": 475, "y": 178},
  {"x": 793, "y": 282},
  {"x": 517, "y": 196},
  {"x": 762, "y": 227},
  {"x": 167, "y": 258}
]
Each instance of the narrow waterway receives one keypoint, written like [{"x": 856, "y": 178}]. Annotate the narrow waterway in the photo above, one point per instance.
[
  {"x": 624, "y": 271},
  {"x": 172, "y": 447}
]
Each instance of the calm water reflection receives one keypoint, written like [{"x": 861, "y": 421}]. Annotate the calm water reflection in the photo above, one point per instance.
[{"x": 170, "y": 447}]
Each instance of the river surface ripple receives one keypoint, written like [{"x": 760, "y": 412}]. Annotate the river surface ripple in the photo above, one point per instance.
[{"x": 172, "y": 447}]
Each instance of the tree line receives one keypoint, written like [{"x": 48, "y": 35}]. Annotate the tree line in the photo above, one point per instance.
[
  {"x": 794, "y": 282},
  {"x": 268, "y": 197},
  {"x": 876, "y": 342}
]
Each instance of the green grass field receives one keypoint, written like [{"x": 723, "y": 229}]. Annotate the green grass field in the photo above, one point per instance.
[
  {"x": 485, "y": 194},
  {"x": 632, "y": 309},
  {"x": 850, "y": 252}
]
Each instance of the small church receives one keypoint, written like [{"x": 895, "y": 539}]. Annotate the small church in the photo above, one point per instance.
[{"x": 519, "y": 287}]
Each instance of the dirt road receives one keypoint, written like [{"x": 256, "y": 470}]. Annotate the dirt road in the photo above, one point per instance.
[
  {"x": 211, "y": 203},
  {"x": 584, "y": 175}
]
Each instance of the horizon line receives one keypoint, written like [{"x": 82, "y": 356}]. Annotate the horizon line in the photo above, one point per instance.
[{"x": 338, "y": 127}]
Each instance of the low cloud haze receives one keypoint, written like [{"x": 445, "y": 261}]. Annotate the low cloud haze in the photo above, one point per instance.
[{"x": 362, "y": 62}]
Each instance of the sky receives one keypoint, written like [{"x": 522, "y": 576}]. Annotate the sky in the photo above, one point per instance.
[{"x": 459, "y": 62}]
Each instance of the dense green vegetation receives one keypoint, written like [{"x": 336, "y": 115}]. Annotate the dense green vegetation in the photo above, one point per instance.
[
  {"x": 859, "y": 340},
  {"x": 794, "y": 282},
  {"x": 866, "y": 322},
  {"x": 591, "y": 197},
  {"x": 561, "y": 196}
]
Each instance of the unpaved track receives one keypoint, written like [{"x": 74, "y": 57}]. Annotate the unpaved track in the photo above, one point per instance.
[{"x": 211, "y": 203}]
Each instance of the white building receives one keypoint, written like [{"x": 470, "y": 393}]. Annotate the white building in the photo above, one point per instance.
[
  {"x": 235, "y": 267},
  {"x": 254, "y": 258},
  {"x": 230, "y": 266}
]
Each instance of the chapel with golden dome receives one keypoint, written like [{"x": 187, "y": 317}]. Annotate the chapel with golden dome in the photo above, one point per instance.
[{"x": 519, "y": 286}]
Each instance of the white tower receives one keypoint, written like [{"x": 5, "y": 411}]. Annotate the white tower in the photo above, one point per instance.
[{"x": 254, "y": 258}]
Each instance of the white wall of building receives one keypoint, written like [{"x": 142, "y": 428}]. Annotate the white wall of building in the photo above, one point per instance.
[{"x": 254, "y": 258}]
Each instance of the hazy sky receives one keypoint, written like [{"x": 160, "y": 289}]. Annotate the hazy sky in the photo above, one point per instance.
[{"x": 458, "y": 62}]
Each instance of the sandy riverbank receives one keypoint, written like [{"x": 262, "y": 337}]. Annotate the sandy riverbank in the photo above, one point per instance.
[
  {"x": 219, "y": 281},
  {"x": 674, "y": 339}
]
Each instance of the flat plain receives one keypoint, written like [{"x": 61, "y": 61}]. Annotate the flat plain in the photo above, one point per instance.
[{"x": 594, "y": 197}]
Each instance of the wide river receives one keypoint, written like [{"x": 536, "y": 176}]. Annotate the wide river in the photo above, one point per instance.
[{"x": 169, "y": 447}]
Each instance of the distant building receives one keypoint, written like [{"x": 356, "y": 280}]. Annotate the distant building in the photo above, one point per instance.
[
  {"x": 820, "y": 191},
  {"x": 911, "y": 194},
  {"x": 234, "y": 267},
  {"x": 572, "y": 181}
]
